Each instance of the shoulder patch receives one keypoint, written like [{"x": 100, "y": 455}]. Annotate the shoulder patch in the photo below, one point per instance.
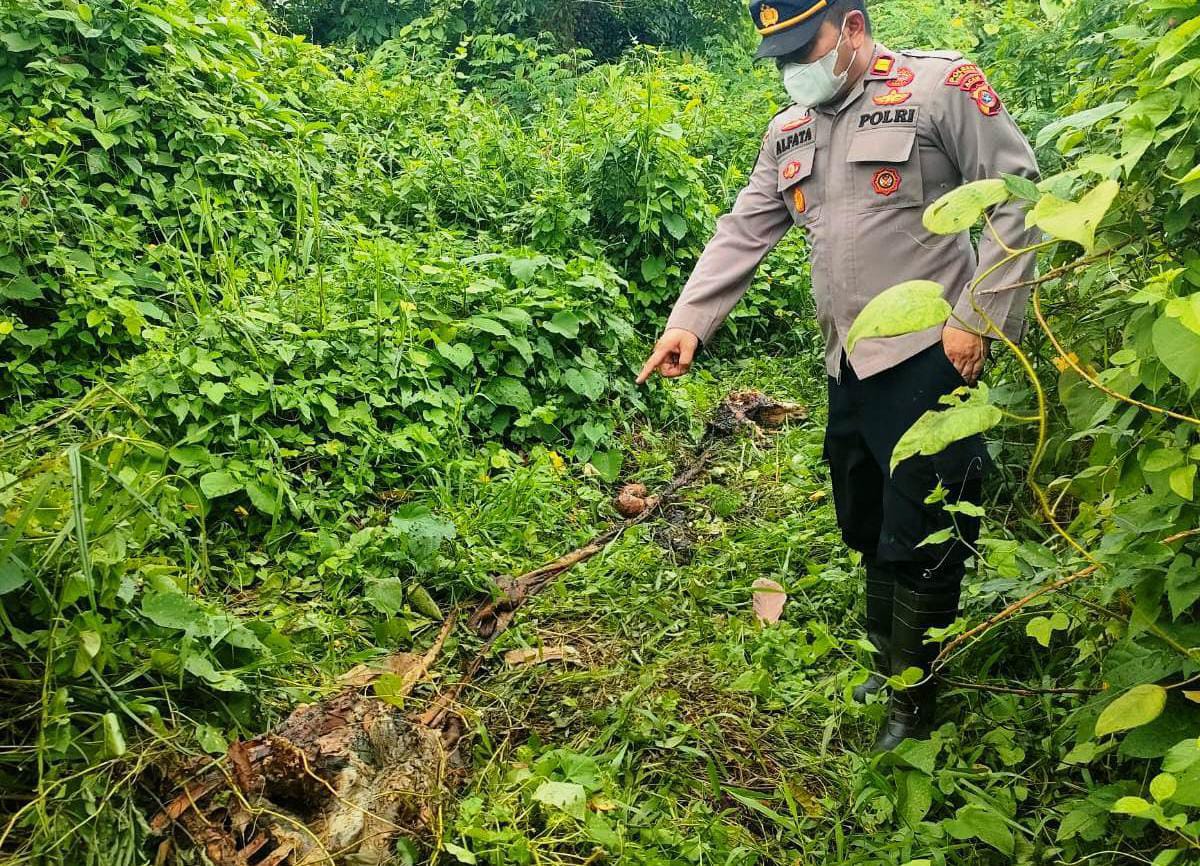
[{"x": 969, "y": 78}]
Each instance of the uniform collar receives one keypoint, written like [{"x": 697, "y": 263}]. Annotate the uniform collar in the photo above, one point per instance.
[{"x": 883, "y": 65}]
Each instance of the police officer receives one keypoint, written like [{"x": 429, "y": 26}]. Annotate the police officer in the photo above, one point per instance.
[{"x": 871, "y": 138}]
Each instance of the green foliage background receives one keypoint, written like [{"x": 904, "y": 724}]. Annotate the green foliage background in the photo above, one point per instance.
[{"x": 300, "y": 344}]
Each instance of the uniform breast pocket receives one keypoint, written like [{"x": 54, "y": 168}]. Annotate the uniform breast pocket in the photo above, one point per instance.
[
  {"x": 796, "y": 184},
  {"x": 886, "y": 168}
]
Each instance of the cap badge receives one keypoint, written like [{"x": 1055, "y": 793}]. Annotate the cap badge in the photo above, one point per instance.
[{"x": 768, "y": 16}]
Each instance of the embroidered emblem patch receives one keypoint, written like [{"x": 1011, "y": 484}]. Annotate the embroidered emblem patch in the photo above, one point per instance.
[
  {"x": 886, "y": 181},
  {"x": 955, "y": 78},
  {"x": 892, "y": 97},
  {"x": 883, "y": 64},
  {"x": 971, "y": 81},
  {"x": 903, "y": 77},
  {"x": 987, "y": 100},
  {"x": 768, "y": 16},
  {"x": 791, "y": 170},
  {"x": 798, "y": 199},
  {"x": 796, "y": 124}
]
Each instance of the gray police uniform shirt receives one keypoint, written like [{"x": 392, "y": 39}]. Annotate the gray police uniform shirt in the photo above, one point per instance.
[{"x": 857, "y": 176}]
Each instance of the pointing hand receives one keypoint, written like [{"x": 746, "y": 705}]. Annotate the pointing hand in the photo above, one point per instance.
[{"x": 672, "y": 355}]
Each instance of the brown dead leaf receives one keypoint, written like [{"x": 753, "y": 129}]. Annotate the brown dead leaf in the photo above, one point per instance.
[
  {"x": 365, "y": 674},
  {"x": 769, "y": 599},
  {"x": 537, "y": 655}
]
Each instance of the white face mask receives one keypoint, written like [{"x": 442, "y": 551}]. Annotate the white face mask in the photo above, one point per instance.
[{"x": 816, "y": 83}]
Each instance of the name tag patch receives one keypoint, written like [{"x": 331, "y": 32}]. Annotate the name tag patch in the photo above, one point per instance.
[
  {"x": 793, "y": 139},
  {"x": 890, "y": 115}
]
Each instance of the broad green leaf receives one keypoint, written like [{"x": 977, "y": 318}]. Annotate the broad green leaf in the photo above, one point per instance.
[
  {"x": 263, "y": 497},
  {"x": 1176, "y": 40},
  {"x": 977, "y": 821},
  {"x": 902, "y": 309},
  {"x": 14, "y": 574},
  {"x": 1183, "y": 481},
  {"x": 1192, "y": 175},
  {"x": 563, "y": 322},
  {"x": 218, "y": 483},
  {"x": 1079, "y": 120},
  {"x": 585, "y": 382},
  {"x": 1075, "y": 221},
  {"x": 1086, "y": 822},
  {"x": 211, "y": 740},
  {"x": 461, "y": 854},
  {"x": 458, "y": 354},
  {"x": 915, "y": 793},
  {"x": 506, "y": 391},
  {"x": 1183, "y": 584},
  {"x": 488, "y": 326},
  {"x": 223, "y": 681},
  {"x": 114, "y": 739},
  {"x": 939, "y": 537},
  {"x": 1130, "y": 806},
  {"x": 1021, "y": 187},
  {"x": 1178, "y": 347},
  {"x": 1041, "y": 628},
  {"x": 608, "y": 464},
  {"x": 1182, "y": 756},
  {"x": 90, "y": 643},
  {"x": 524, "y": 269},
  {"x": 601, "y": 832},
  {"x": 391, "y": 688},
  {"x": 936, "y": 430},
  {"x": 676, "y": 225},
  {"x": 653, "y": 267},
  {"x": 564, "y": 796},
  {"x": 172, "y": 610},
  {"x": 1186, "y": 310},
  {"x": 15, "y": 42},
  {"x": 1183, "y": 70},
  {"x": 386, "y": 595},
  {"x": 1139, "y": 706},
  {"x": 1163, "y": 787},
  {"x": 1162, "y": 459},
  {"x": 961, "y": 208}
]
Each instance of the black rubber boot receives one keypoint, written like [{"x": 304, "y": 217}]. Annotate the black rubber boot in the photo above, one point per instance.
[
  {"x": 881, "y": 584},
  {"x": 911, "y": 710}
]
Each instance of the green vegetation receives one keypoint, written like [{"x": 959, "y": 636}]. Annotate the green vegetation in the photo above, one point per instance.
[{"x": 302, "y": 347}]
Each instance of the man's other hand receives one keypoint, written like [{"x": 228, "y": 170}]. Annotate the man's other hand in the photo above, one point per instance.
[
  {"x": 672, "y": 355},
  {"x": 967, "y": 351}
]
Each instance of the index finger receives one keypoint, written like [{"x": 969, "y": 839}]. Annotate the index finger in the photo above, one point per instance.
[{"x": 656, "y": 357}]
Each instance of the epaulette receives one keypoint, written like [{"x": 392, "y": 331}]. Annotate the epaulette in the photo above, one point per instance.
[{"x": 936, "y": 55}]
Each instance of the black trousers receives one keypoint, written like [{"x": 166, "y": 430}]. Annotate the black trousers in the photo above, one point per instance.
[{"x": 883, "y": 515}]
